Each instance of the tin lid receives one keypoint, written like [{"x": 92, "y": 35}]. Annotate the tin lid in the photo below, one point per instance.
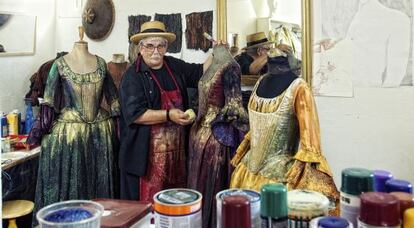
[
  {"x": 305, "y": 203},
  {"x": 274, "y": 201},
  {"x": 380, "y": 177},
  {"x": 409, "y": 218},
  {"x": 379, "y": 209},
  {"x": 235, "y": 212},
  {"x": 395, "y": 185},
  {"x": 177, "y": 196},
  {"x": 122, "y": 213},
  {"x": 253, "y": 196},
  {"x": 357, "y": 180},
  {"x": 333, "y": 222},
  {"x": 406, "y": 201}
]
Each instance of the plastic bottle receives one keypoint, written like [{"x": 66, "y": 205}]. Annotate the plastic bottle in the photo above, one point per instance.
[
  {"x": 13, "y": 122},
  {"x": 330, "y": 222},
  {"x": 409, "y": 218},
  {"x": 19, "y": 120},
  {"x": 29, "y": 120},
  {"x": 4, "y": 131},
  {"x": 406, "y": 201},
  {"x": 354, "y": 182},
  {"x": 395, "y": 185},
  {"x": 380, "y": 177},
  {"x": 379, "y": 209},
  {"x": 236, "y": 212},
  {"x": 273, "y": 206}
]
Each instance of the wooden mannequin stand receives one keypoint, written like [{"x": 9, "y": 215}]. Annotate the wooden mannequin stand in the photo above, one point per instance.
[{"x": 15, "y": 209}]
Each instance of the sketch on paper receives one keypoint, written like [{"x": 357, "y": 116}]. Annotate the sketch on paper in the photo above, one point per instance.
[{"x": 362, "y": 43}]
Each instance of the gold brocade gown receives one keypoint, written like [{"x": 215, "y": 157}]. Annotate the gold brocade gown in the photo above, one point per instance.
[{"x": 271, "y": 152}]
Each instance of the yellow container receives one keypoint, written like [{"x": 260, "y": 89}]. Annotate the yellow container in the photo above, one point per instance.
[{"x": 13, "y": 121}]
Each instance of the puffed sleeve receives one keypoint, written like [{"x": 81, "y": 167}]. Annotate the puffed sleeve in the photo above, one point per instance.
[
  {"x": 49, "y": 109},
  {"x": 231, "y": 123},
  {"x": 310, "y": 169},
  {"x": 111, "y": 94},
  {"x": 310, "y": 139}
]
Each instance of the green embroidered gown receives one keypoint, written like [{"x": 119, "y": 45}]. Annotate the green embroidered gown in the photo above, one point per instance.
[{"x": 78, "y": 155}]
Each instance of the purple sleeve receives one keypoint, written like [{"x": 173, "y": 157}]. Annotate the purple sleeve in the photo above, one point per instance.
[
  {"x": 231, "y": 123},
  {"x": 42, "y": 125}
]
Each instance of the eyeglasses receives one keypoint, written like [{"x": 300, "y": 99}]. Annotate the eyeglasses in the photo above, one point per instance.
[
  {"x": 151, "y": 47},
  {"x": 265, "y": 48}
]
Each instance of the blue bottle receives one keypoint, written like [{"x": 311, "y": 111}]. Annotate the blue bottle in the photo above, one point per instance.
[
  {"x": 4, "y": 131},
  {"x": 28, "y": 124}
]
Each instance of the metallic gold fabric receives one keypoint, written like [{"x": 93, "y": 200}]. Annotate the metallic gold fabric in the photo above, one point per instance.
[
  {"x": 78, "y": 159},
  {"x": 270, "y": 153}
]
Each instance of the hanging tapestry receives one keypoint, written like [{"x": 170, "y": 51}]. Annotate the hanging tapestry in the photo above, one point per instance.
[
  {"x": 172, "y": 24},
  {"x": 196, "y": 25},
  {"x": 135, "y": 23}
]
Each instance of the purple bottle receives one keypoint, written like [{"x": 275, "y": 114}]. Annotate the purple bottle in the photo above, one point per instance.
[{"x": 380, "y": 177}]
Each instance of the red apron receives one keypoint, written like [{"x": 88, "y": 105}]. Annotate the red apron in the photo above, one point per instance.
[{"x": 166, "y": 164}]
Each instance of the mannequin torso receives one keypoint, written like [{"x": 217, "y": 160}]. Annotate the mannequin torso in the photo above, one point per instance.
[
  {"x": 277, "y": 80},
  {"x": 80, "y": 60}
]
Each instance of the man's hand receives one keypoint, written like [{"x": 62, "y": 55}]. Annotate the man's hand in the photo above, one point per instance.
[
  {"x": 285, "y": 48},
  {"x": 179, "y": 117}
]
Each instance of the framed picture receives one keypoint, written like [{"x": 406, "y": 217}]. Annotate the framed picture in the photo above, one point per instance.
[
  {"x": 17, "y": 34},
  {"x": 359, "y": 43}
]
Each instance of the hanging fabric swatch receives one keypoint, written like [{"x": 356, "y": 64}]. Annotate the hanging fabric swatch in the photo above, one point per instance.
[
  {"x": 135, "y": 23},
  {"x": 196, "y": 25},
  {"x": 172, "y": 24}
]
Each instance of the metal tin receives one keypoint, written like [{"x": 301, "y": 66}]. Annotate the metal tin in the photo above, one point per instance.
[
  {"x": 304, "y": 205},
  {"x": 254, "y": 198},
  {"x": 178, "y": 207}
]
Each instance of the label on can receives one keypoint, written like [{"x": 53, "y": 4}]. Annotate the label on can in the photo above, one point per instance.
[
  {"x": 168, "y": 221},
  {"x": 350, "y": 200}
]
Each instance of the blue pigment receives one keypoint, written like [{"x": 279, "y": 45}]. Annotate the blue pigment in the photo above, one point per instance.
[{"x": 68, "y": 215}]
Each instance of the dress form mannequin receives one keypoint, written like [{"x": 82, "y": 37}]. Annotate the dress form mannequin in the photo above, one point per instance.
[
  {"x": 278, "y": 79},
  {"x": 79, "y": 59},
  {"x": 117, "y": 67},
  {"x": 118, "y": 58}
]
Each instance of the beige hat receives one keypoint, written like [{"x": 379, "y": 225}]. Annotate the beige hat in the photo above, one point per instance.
[
  {"x": 151, "y": 29},
  {"x": 256, "y": 40}
]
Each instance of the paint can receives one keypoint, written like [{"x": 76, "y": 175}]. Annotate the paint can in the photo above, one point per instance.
[
  {"x": 254, "y": 198},
  {"x": 177, "y": 207},
  {"x": 379, "y": 209},
  {"x": 354, "y": 182},
  {"x": 330, "y": 222},
  {"x": 305, "y": 205}
]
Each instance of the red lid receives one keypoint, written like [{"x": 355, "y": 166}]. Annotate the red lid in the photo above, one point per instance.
[
  {"x": 379, "y": 209},
  {"x": 235, "y": 212},
  {"x": 406, "y": 201},
  {"x": 124, "y": 213}
]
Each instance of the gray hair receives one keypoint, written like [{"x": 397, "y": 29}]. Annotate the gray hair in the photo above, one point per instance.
[{"x": 141, "y": 42}]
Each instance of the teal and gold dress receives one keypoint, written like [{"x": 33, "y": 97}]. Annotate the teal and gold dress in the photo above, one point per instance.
[{"x": 78, "y": 154}]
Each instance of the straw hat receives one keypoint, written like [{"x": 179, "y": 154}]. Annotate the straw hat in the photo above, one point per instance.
[
  {"x": 153, "y": 29},
  {"x": 256, "y": 40}
]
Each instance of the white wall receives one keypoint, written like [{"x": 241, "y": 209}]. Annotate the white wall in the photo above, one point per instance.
[
  {"x": 15, "y": 71},
  {"x": 117, "y": 41}
]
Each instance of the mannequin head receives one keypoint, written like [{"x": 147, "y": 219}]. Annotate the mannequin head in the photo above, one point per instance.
[{"x": 152, "y": 50}]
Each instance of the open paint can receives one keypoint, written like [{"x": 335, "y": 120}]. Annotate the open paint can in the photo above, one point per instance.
[
  {"x": 178, "y": 207},
  {"x": 254, "y": 198}
]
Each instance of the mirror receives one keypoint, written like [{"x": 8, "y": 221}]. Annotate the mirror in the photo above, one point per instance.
[
  {"x": 280, "y": 20},
  {"x": 17, "y": 34}
]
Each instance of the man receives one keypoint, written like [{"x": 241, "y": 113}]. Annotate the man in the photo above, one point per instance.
[
  {"x": 254, "y": 59},
  {"x": 153, "y": 100}
]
